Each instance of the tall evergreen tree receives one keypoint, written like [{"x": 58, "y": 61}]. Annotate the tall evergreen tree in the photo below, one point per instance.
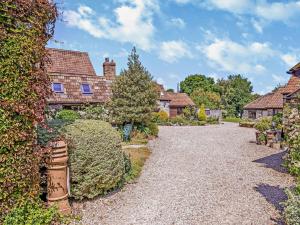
[{"x": 134, "y": 94}]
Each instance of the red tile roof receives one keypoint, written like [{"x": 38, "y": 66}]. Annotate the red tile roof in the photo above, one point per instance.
[
  {"x": 176, "y": 99},
  {"x": 73, "y": 68},
  {"x": 180, "y": 100},
  {"x": 70, "y": 62}
]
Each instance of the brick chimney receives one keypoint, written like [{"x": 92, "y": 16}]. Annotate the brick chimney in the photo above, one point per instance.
[{"x": 109, "y": 69}]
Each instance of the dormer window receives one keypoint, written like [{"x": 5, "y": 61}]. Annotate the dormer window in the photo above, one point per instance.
[
  {"x": 58, "y": 87},
  {"x": 86, "y": 89}
]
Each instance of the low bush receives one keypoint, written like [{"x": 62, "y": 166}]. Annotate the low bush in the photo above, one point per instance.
[
  {"x": 212, "y": 120},
  {"x": 292, "y": 208},
  {"x": 160, "y": 117},
  {"x": 33, "y": 213},
  {"x": 189, "y": 113},
  {"x": 67, "y": 114},
  {"x": 153, "y": 129},
  {"x": 96, "y": 159},
  {"x": 179, "y": 120},
  {"x": 263, "y": 124}
]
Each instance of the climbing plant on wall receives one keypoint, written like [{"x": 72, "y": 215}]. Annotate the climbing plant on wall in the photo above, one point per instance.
[{"x": 25, "y": 28}]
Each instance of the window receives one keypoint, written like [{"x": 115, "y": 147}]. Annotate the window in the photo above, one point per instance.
[
  {"x": 57, "y": 87},
  {"x": 86, "y": 89}
]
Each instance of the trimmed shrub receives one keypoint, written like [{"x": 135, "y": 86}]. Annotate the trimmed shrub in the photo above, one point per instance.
[
  {"x": 160, "y": 117},
  {"x": 292, "y": 208},
  {"x": 201, "y": 114},
  {"x": 212, "y": 120},
  {"x": 96, "y": 159},
  {"x": 33, "y": 213},
  {"x": 153, "y": 129},
  {"x": 68, "y": 115}
]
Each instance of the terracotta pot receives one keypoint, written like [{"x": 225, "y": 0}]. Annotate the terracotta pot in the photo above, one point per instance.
[{"x": 57, "y": 177}]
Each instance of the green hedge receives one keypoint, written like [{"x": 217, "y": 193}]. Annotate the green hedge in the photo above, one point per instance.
[
  {"x": 25, "y": 27},
  {"x": 67, "y": 114},
  {"x": 96, "y": 158}
]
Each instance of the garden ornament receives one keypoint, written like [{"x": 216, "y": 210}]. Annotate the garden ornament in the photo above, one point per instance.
[{"x": 127, "y": 131}]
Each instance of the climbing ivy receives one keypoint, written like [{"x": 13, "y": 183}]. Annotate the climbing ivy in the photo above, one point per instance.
[{"x": 25, "y": 28}]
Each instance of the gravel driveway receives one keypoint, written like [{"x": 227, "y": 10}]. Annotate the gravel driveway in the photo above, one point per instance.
[{"x": 199, "y": 175}]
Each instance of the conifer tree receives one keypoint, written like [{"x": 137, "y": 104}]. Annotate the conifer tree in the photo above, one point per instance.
[{"x": 134, "y": 94}]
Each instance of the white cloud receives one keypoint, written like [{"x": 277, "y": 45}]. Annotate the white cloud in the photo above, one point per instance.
[
  {"x": 289, "y": 59},
  {"x": 177, "y": 22},
  {"x": 263, "y": 11},
  {"x": 230, "y": 56},
  {"x": 133, "y": 22},
  {"x": 171, "y": 51}
]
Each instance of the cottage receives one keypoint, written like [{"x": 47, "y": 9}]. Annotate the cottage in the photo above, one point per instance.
[
  {"x": 74, "y": 80},
  {"x": 272, "y": 103},
  {"x": 174, "y": 103}
]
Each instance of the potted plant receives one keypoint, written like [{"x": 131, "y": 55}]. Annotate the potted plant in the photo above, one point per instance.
[{"x": 262, "y": 125}]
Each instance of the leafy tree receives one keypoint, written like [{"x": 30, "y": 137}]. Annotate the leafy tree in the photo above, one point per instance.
[
  {"x": 171, "y": 90},
  {"x": 195, "y": 82},
  {"x": 134, "y": 94},
  {"x": 201, "y": 114},
  {"x": 210, "y": 99},
  {"x": 236, "y": 92}
]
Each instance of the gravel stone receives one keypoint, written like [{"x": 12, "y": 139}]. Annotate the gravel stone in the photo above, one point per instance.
[{"x": 199, "y": 176}]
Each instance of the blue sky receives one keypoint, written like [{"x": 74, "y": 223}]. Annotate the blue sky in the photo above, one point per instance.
[{"x": 175, "y": 38}]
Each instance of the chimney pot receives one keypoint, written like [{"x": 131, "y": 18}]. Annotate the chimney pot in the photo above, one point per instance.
[{"x": 107, "y": 59}]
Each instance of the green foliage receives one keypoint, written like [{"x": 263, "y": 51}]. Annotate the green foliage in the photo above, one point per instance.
[
  {"x": 189, "y": 113},
  {"x": 292, "y": 131},
  {"x": 277, "y": 119},
  {"x": 235, "y": 94},
  {"x": 232, "y": 119},
  {"x": 292, "y": 208},
  {"x": 134, "y": 94},
  {"x": 52, "y": 131},
  {"x": 212, "y": 120},
  {"x": 153, "y": 129},
  {"x": 196, "y": 82},
  {"x": 211, "y": 100},
  {"x": 171, "y": 90},
  {"x": 201, "y": 114},
  {"x": 68, "y": 115},
  {"x": 160, "y": 117},
  {"x": 95, "y": 113},
  {"x": 33, "y": 213},
  {"x": 96, "y": 160},
  {"x": 25, "y": 28},
  {"x": 263, "y": 124}
]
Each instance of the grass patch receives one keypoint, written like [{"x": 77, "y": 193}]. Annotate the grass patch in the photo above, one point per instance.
[
  {"x": 232, "y": 119},
  {"x": 138, "y": 157}
]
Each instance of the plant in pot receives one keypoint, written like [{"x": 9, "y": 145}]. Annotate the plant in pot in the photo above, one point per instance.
[{"x": 262, "y": 126}]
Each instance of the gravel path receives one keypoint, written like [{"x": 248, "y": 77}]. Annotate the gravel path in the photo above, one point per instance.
[{"x": 197, "y": 176}]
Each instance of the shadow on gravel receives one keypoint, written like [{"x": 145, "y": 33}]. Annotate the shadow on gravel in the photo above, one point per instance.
[
  {"x": 273, "y": 161},
  {"x": 274, "y": 195}
]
